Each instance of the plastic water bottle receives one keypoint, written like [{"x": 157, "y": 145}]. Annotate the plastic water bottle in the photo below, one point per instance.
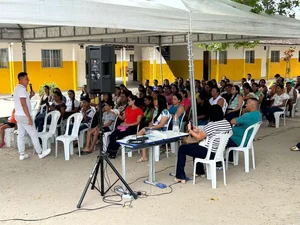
[{"x": 175, "y": 124}]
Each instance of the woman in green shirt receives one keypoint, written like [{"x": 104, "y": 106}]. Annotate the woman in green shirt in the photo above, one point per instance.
[{"x": 148, "y": 112}]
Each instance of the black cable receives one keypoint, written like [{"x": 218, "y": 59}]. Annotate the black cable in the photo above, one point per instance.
[
  {"x": 56, "y": 215},
  {"x": 127, "y": 204}
]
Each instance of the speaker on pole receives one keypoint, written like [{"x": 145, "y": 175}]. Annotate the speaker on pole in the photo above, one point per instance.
[{"x": 100, "y": 69}]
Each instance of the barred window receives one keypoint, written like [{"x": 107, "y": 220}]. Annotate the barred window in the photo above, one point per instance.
[
  {"x": 275, "y": 56},
  {"x": 250, "y": 57},
  {"x": 223, "y": 57},
  {"x": 3, "y": 57},
  {"x": 131, "y": 58},
  {"x": 51, "y": 58}
]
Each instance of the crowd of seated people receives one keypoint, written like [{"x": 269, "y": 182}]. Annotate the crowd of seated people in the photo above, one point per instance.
[{"x": 138, "y": 113}]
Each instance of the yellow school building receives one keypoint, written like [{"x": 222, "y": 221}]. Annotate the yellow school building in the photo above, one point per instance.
[{"x": 64, "y": 63}]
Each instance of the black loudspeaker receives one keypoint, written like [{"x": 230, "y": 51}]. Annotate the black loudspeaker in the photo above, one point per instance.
[{"x": 100, "y": 69}]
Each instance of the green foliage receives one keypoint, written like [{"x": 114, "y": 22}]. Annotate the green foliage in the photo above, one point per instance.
[
  {"x": 51, "y": 85},
  {"x": 245, "y": 44},
  {"x": 271, "y": 7},
  {"x": 219, "y": 47}
]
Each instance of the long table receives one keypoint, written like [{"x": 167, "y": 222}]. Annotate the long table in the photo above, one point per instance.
[{"x": 153, "y": 141}]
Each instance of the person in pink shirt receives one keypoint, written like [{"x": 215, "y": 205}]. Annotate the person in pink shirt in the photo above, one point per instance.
[
  {"x": 168, "y": 94},
  {"x": 185, "y": 102}
]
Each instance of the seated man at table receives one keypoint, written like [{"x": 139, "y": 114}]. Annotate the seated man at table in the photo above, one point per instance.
[{"x": 241, "y": 123}]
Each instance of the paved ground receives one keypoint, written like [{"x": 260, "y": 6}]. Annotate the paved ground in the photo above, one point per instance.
[{"x": 268, "y": 195}]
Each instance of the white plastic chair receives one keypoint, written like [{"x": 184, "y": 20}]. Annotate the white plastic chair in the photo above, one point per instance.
[
  {"x": 82, "y": 133},
  {"x": 33, "y": 104},
  {"x": 7, "y": 136},
  {"x": 294, "y": 109},
  {"x": 167, "y": 151},
  {"x": 68, "y": 139},
  {"x": 243, "y": 148},
  {"x": 278, "y": 114},
  {"x": 46, "y": 135},
  {"x": 44, "y": 108},
  {"x": 211, "y": 169},
  {"x": 105, "y": 137},
  {"x": 241, "y": 109}
]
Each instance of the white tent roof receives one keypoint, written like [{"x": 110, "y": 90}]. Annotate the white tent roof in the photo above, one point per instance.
[{"x": 208, "y": 16}]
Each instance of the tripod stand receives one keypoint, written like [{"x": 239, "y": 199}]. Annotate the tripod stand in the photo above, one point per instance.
[{"x": 101, "y": 159}]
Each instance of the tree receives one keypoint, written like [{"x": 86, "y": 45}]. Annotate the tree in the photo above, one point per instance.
[{"x": 271, "y": 7}]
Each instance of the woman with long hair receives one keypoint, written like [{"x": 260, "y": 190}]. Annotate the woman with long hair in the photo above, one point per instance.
[
  {"x": 46, "y": 97},
  {"x": 203, "y": 109},
  {"x": 72, "y": 104},
  {"x": 217, "y": 99},
  {"x": 176, "y": 109},
  {"x": 215, "y": 126},
  {"x": 117, "y": 97},
  {"x": 57, "y": 104},
  {"x": 248, "y": 92},
  {"x": 235, "y": 103},
  {"x": 148, "y": 112},
  {"x": 258, "y": 93},
  {"x": 185, "y": 102},
  {"x": 154, "y": 95},
  {"x": 84, "y": 92},
  {"x": 132, "y": 118},
  {"x": 159, "y": 122}
]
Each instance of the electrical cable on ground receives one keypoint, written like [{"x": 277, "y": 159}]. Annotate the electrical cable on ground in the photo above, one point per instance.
[{"x": 127, "y": 204}]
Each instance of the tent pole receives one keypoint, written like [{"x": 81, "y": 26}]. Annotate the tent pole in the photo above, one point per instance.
[
  {"x": 124, "y": 66},
  {"x": 160, "y": 61},
  {"x": 191, "y": 72}
]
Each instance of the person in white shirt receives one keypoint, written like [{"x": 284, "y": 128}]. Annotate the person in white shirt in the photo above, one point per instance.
[
  {"x": 24, "y": 120},
  {"x": 279, "y": 103},
  {"x": 72, "y": 104}
]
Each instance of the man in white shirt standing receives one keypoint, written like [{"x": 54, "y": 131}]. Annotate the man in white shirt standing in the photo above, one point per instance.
[{"x": 24, "y": 120}]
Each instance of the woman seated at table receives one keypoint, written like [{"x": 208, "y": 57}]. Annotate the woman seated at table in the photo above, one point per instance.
[
  {"x": 215, "y": 126},
  {"x": 235, "y": 104},
  {"x": 132, "y": 118},
  {"x": 159, "y": 122},
  {"x": 176, "y": 109}
]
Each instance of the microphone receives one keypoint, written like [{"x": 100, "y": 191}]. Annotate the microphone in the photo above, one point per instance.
[{"x": 30, "y": 85}]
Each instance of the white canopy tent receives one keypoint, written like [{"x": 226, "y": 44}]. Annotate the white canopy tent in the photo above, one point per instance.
[
  {"x": 209, "y": 16},
  {"x": 159, "y": 16}
]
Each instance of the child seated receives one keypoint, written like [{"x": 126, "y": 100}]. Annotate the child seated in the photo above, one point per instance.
[
  {"x": 108, "y": 118},
  {"x": 12, "y": 123}
]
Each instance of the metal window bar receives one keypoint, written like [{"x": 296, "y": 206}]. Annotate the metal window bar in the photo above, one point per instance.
[
  {"x": 51, "y": 58},
  {"x": 3, "y": 58}
]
